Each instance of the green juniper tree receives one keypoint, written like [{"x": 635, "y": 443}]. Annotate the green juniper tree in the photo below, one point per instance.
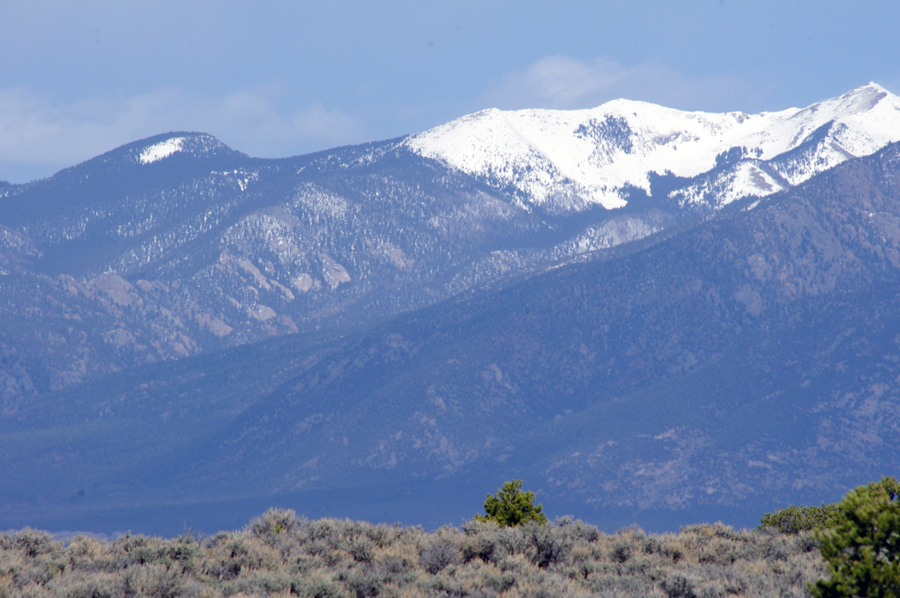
[
  {"x": 511, "y": 507},
  {"x": 861, "y": 544}
]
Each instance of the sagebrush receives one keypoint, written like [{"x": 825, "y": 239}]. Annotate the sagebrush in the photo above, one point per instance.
[{"x": 280, "y": 554}]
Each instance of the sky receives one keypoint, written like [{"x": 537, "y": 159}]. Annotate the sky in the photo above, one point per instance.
[{"x": 286, "y": 77}]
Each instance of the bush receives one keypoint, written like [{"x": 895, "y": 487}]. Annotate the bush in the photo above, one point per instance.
[
  {"x": 676, "y": 585},
  {"x": 35, "y": 542},
  {"x": 793, "y": 520},
  {"x": 511, "y": 507},
  {"x": 272, "y": 523},
  {"x": 551, "y": 545},
  {"x": 438, "y": 555},
  {"x": 862, "y": 544}
]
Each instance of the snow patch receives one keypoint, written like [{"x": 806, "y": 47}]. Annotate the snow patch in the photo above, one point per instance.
[{"x": 161, "y": 150}]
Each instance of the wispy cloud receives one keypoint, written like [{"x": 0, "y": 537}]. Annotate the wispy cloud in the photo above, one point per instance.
[
  {"x": 565, "y": 82},
  {"x": 39, "y": 135}
]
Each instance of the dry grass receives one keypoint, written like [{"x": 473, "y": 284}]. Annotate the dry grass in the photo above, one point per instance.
[{"x": 280, "y": 554}]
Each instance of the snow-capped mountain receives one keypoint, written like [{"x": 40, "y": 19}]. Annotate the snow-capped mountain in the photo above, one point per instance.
[
  {"x": 464, "y": 302},
  {"x": 568, "y": 160},
  {"x": 178, "y": 244},
  {"x": 728, "y": 369}
]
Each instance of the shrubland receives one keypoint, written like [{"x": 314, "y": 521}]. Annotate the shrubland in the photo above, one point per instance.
[
  {"x": 850, "y": 548},
  {"x": 281, "y": 554}
]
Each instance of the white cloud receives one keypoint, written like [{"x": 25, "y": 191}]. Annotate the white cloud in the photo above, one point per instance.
[
  {"x": 39, "y": 136},
  {"x": 564, "y": 82}
]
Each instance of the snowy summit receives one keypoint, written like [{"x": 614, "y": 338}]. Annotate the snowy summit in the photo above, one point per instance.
[
  {"x": 165, "y": 146},
  {"x": 568, "y": 159}
]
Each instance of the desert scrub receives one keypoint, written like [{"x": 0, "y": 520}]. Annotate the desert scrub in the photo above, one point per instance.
[{"x": 281, "y": 554}]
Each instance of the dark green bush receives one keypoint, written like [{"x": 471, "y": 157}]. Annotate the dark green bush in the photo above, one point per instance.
[
  {"x": 862, "y": 544},
  {"x": 793, "y": 519},
  {"x": 511, "y": 506}
]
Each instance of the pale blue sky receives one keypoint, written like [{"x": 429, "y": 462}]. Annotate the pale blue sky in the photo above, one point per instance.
[{"x": 277, "y": 78}]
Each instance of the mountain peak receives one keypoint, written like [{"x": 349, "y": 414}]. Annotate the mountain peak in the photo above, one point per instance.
[
  {"x": 159, "y": 147},
  {"x": 862, "y": 99},
  {"x": 565, "y": 160},
  {"x": 152, "y": 150},
  {"x": 870, "y": 87}
]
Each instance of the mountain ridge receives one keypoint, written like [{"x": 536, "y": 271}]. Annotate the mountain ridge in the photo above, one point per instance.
[
  {"x": 635, "y": 139},
  {"x": 369, "y": 320},
  {"x": 203, "y": 247},
  {"x": 714, "y": 369}
]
